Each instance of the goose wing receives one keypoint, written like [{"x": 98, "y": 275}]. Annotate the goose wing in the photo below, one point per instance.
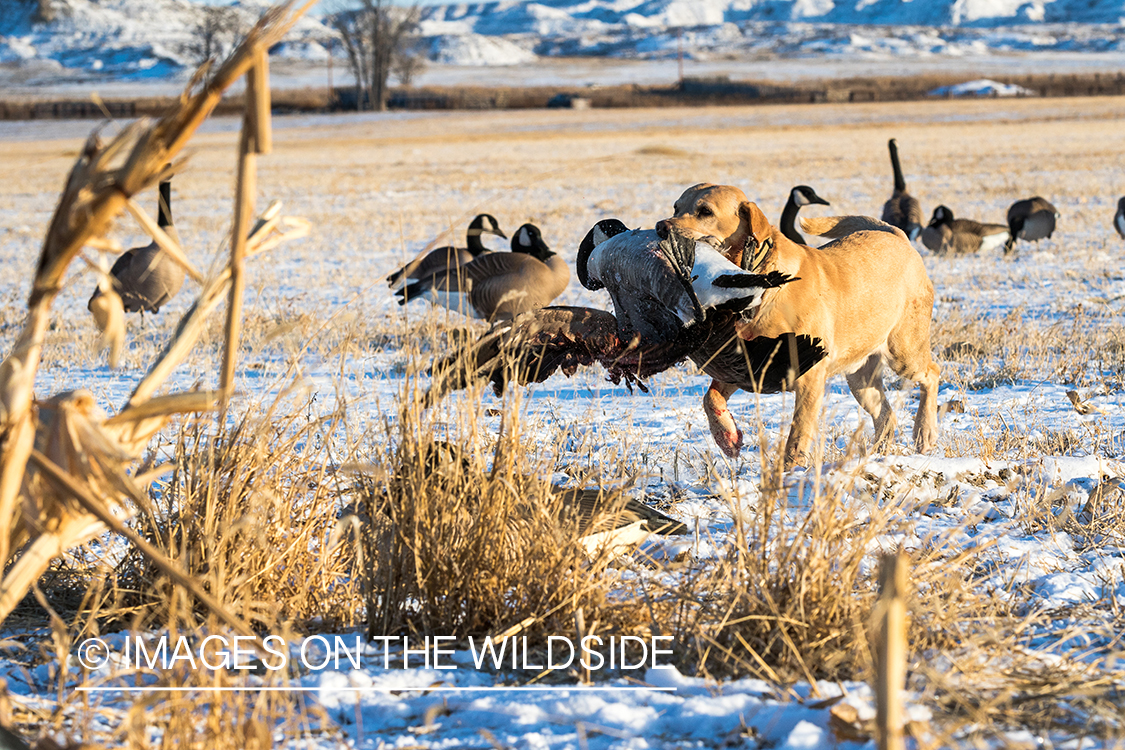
[
  {"x": 533, "y": 346},
  {"x": 759, "y": 365},
  {"x": 596, "y": 510},
  {"x": 501, "y": 280},
  {"x": 433, "y": 262}
]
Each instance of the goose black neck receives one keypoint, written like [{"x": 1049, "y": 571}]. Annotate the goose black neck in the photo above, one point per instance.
[
  {"x": 789, "y": 221},
  {"x": 165, "y": 217},
  {"x": 900, "y": 183},
  {"x": 473, "y": 243}
]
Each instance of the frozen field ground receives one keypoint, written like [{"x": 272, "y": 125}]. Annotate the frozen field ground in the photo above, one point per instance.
[{"x": 1008, "y": 483}]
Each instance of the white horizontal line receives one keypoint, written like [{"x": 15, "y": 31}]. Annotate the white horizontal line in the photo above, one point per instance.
[{"x": 415, "y": 689}]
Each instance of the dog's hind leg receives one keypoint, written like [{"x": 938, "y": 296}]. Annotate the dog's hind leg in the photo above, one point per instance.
[
  {"x": 867, "y": 387},
  {"x": 726, "y": 433},
  {"x": 909, "y": 348}
]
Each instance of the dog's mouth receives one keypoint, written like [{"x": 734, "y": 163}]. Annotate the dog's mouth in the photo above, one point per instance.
[{"x": 666, "y": 226}]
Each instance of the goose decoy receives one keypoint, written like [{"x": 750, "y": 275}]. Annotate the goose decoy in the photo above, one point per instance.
[
  {"x": 497, "y": 286},
  {"x": 802, "y": 195},
  {"x": 1119, "y": 217},
  {"x": 147, "y": 277},
  {"x": 945, "y": 234},
  {"x": 902, "y": 210},
  {"x": 652, "y": 284},
  {"x": 599, "y": 518},
  {"x": 1030, "y": 219},
  {"x": 446, "y": 258}
]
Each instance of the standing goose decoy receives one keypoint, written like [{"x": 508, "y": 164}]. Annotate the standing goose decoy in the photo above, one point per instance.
[
  {"x": 946, "y": 234},
  {"x": 902, "y": 210},
  {"x": 446, "y": 258},
  {"x": 147, "y": 277},
  {"x": 1033, "y": 218},
  {"x": 1030, "y": 219},
  {"x": 1119, "y": 217},
  {"x": 497, "y": 286},
  {"x": 802, "y": 195},
  {"x": 663, "y": 313}
]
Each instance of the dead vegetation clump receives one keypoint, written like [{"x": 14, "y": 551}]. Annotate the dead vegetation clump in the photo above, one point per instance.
[
  {"x": 464, "y": 537},
  {"x": 252, "y": 511}
]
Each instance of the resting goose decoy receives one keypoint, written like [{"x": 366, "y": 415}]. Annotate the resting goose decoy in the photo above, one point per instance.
[
  {"x": 147, "y": 277},
  {"x": 497, "y": 286},
  {"x": 946, "y": 234},
  {"x": 1119, "y": 217},
  {"x": 446, "y": 258},
  {"x": 800, "y": 196},
  {"x": 902, "y": 210},
  {"x": 1030, "y": 219},
  {"x": 599, "y": 518},
  {"x": 655, "y": 323}
]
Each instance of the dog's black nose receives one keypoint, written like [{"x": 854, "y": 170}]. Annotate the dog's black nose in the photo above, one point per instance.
[{"x": 662, "y": 229}]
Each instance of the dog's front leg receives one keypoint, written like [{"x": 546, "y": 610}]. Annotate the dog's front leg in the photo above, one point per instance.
[
  {"x": 809, "y": 396},
  {"x": 726, "y": 433}
]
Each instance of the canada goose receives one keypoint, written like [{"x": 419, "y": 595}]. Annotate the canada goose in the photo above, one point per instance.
[
  {"x": 946, "y": 234},
  {"x": 600, "y": 518},
  {"x": 445, "y": 258},
  {"x": 802, "y": 195},
  {"x": 146, "y": 277},
  {"x": 1119, "y": 217},
  {"x": 646, "y": 333},
  {"x": 902, "y": 210},
  {"x": 496, "y": 286},
  {"x": 702, "y": 279},
  {"x": 1030, "y": 219}
]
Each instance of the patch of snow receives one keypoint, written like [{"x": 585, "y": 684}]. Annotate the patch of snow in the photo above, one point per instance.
[
  {"x": 982, "y": 87},
  {"x": 476, "y": 49}
]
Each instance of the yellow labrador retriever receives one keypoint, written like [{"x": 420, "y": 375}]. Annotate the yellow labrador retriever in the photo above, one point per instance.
[{"x": 866, "y": 296}]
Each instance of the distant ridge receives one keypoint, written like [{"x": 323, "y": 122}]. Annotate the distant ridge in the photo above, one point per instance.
[{"x": 150, "y": 39}]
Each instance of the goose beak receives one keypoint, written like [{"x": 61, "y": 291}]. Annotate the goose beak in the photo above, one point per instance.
[
  {"x": 498, "y": 232},
  {"x": 820, "y": 201}
]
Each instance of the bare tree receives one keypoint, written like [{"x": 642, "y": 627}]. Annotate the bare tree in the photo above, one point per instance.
[
  {"x": 215, "y": 34},
  {"x": 377, "y": 37},
  {"x": 409, "y": 63}
]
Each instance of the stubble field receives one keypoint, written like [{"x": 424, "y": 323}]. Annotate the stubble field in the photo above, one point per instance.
[{"x": 1013, "y": 525}]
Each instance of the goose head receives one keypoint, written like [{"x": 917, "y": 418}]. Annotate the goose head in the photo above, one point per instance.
[
  {"x": 803, "y": 195},
  {"x": 598, "y": 234},
  {"x": 485, "y": 224},
  {"x": 942, "y": 215},
  {"x": 528, "y": 239}
]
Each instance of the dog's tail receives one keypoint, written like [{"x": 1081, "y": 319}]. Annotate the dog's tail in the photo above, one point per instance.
[{"x": 835, "y": 227}]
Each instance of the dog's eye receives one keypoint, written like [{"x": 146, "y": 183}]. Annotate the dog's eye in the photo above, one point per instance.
[{"x": 704, "y": 211}]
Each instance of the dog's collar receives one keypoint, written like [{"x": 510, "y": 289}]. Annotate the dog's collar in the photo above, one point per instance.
[{"x": 755, "y": 251}]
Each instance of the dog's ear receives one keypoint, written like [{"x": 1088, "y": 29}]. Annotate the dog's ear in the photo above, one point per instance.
[{"x": 754, "y": 243}]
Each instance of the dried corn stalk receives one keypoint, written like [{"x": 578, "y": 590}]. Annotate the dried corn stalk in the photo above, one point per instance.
[{"x": 75, "y": 485}]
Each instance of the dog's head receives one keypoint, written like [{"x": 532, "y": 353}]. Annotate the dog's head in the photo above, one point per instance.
[{"x": 722, "y": 211}]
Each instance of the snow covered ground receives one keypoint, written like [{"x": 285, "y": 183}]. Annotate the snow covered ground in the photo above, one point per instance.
[{"x": 1012, "y": 475}]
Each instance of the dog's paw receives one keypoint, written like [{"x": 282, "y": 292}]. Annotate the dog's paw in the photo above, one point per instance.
[{"x": 729, "y": 441}]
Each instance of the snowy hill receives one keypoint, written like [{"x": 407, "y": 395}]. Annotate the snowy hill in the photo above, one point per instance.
[
  {"x": 129, "y": 38},
  {"x": 549, "y": 16},
  {"x": 159, "y": 39}
]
